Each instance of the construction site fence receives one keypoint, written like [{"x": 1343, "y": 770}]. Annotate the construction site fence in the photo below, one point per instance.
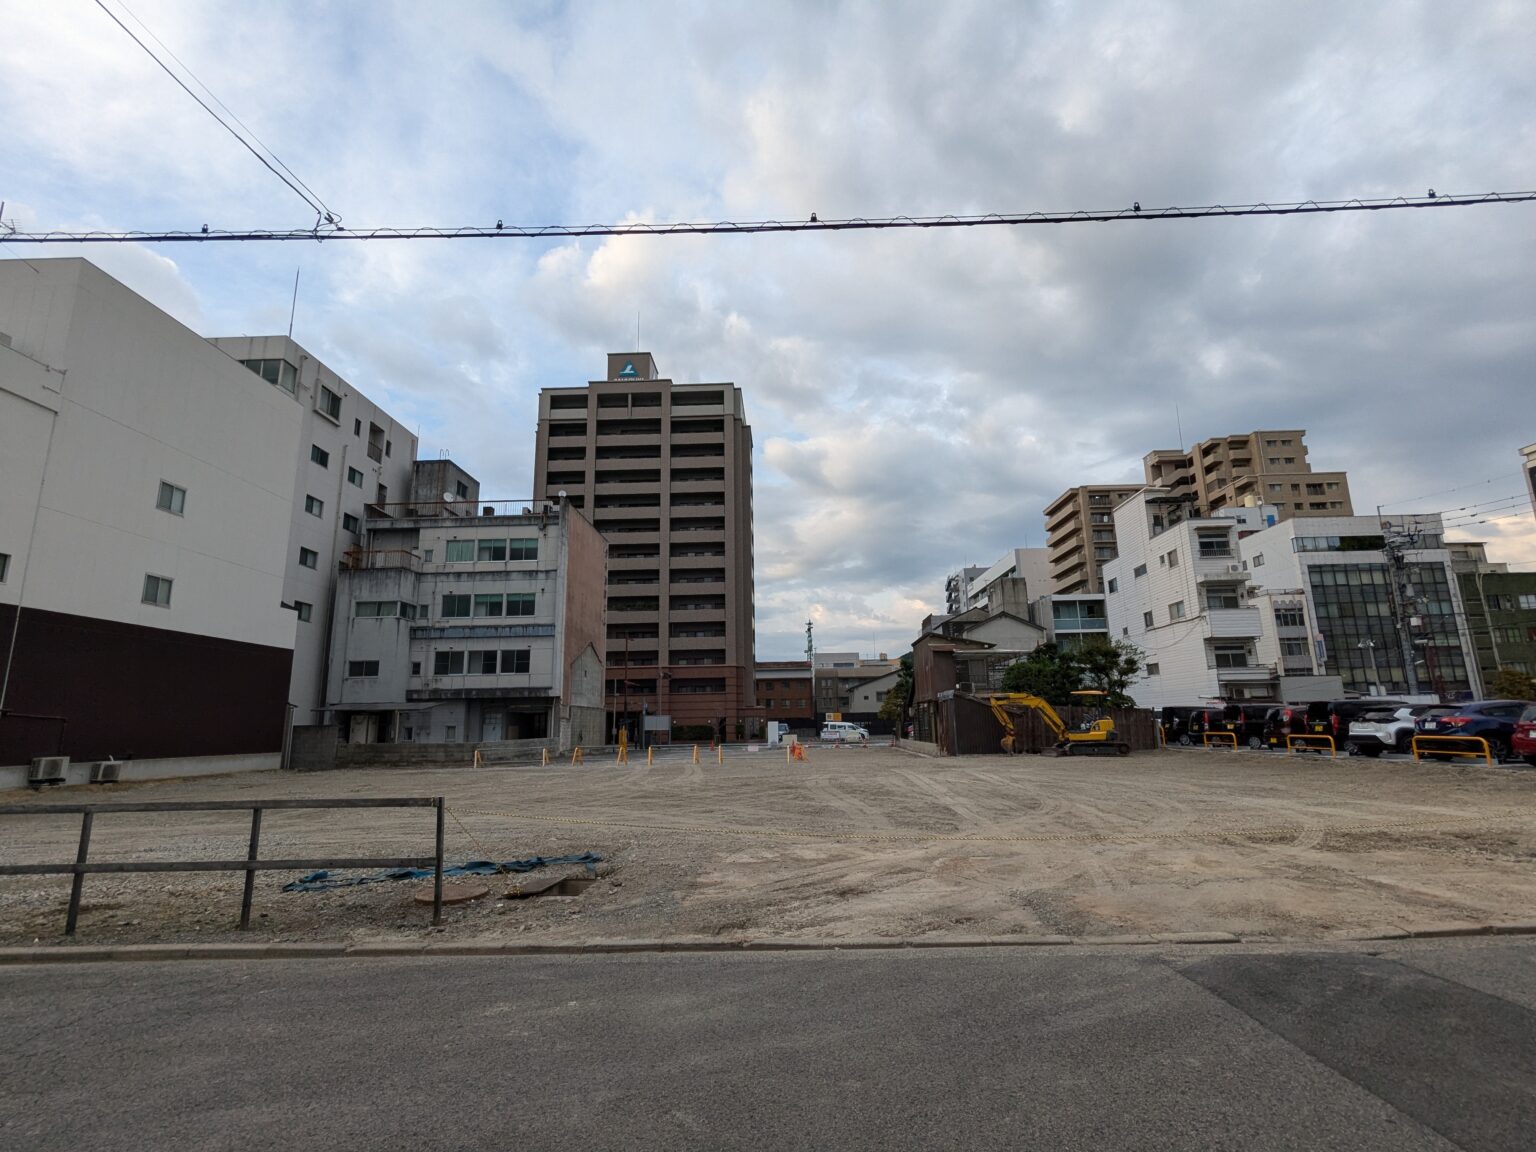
[{"x": 965, "y": 726}]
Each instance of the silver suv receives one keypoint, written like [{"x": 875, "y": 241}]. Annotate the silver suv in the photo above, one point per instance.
[{"x": 1387, "y": 730}]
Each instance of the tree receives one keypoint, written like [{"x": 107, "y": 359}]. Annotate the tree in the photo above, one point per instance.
[
  {"x": 1110, "y": 668},
  {"x": 1512, "y": 684},
  {"x": 1047, "y": 672},
  {"x": 899, "y": 697}
]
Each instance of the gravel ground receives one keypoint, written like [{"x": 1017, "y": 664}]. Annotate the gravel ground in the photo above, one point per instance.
[{"x": 858, "y": 842}]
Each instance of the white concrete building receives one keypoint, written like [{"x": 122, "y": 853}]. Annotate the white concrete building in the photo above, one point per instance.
[
  {"x": 346, "y": 454},
  {"x": 1178, "y": 591},
  {"x": 1381, "y": 600},
  {"x": 454, "y": 629},
  {"x": 146, "y": 492},
  {"x": 1019, "y": 576}
]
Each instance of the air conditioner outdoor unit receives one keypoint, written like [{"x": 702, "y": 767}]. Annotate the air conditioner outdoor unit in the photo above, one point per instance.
[
  {"x": 1234, "y": 567},
  {"x": 47, "y": 770},
  {"x": 965, "y": 686},
  {"x": 106, "y": 772}
]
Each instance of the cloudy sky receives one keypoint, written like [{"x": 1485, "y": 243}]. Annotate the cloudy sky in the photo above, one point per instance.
[{"x": 916, "y": 397}]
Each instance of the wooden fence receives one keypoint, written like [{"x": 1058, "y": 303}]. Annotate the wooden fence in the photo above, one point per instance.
[{"x": 966, "y": 727}]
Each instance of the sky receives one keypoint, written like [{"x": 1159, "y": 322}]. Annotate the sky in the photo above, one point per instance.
[{"x": 916, "y": 397}]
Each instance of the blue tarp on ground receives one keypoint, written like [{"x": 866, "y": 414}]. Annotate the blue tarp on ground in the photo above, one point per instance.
[{"x": 324, "y": 881}]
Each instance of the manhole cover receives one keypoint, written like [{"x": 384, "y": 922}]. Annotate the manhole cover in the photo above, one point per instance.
[
  {"x": 454, "y": 893},
  {"x": 549, "y": 886}
]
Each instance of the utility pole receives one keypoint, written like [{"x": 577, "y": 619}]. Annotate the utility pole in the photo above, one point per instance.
[{"x": 1400, "y": 595}]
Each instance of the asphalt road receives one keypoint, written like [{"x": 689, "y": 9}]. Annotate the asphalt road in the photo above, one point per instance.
[{"x": 1424, "y": 1047}]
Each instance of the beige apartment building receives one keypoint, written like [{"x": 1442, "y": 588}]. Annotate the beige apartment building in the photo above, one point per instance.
[
  {"x": 1268, "y": 467},
  {"x": 664, "y": 472},
  {"x": 1080, "y": 535}
]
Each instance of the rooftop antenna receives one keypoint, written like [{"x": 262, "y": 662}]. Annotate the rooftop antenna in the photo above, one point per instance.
[
  {"x": 1180, "y": 423},
  {"x": 294, "y": 307},
  {"x": 810, "y": 643},
  {"x": 637, "y": 327}
]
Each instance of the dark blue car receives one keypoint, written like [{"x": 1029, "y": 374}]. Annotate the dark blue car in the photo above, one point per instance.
[{"x": 1493, "y": 720}]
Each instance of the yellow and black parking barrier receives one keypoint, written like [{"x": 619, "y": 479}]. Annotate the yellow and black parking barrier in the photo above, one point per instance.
[
  {"x": 1483, "y": 751},
  {"x": 1220, "y": 740},
  {"x": 1310, "y": 742}
]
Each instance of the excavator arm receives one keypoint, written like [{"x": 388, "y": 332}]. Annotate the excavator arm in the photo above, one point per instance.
[{"x": 1000, "y": 702}]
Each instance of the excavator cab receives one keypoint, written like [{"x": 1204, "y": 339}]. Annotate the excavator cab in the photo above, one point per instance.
[{"x": 1095, "y": 729}]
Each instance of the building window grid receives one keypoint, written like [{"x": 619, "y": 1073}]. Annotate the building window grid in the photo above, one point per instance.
[{"x": 171, "y": 498}]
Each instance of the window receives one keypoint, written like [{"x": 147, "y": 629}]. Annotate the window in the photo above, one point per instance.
[
  {"x": 352, "y": 524},
  {"x": 314, "y": 505},
  {"x": 319, "y": 455},
  {"x": 361, "y": 668},
  {"x": 357, "y": 427},
  {"x": 514, "y": 661},
  {"x": 425, "y": 611},
  {"x": 1146, "y": 619},
  {"x": 1139, "y": 571},
  {"x": 171, "y": 498},
  {"x": 1223, "y": 598},
  {"x": 1258, "y": 559},
  {"x": 450, "y": 733},
  {"x": 5, "y": 566},
  {"x": 448, "y": 663},
  {"x": 1290, "y": 618},
  {"x": 519, "y": 603},
  {"x": 1173, "y": 558},
  {"x": 1114, "y": 585},
  {"x": 1528, "y": 601},
  {"x": 278, "y": 372},
  {"x": 492, "y": 550},
  {"x": 482, "y": 663},
  {"x": 461, "y": 489},
  {"x": 387, "y": 445},
  {"x": 1154, "y": 669},
  {"x": 523, "y": 549},
  {"x": 157, "y": 591},
  {"x": 456, "y": 605},
  {"x": 1293, "y": 647},
  {"x": 305, "y": 611},
  {"x": 415, "y": 667},
  {"x": 426, "y": 554},
  {"x": 376, "y": 608},
  {"x": 488, "y": 605},
  {"x": 460, "y": 552},
  {"x": 1231, "y": 657},
  {"x": 354, "y": 477},
  {"x": 309, "y": 558},
  {"x": 1176, "y": 610},
  {"x": 329, "y": 403}
]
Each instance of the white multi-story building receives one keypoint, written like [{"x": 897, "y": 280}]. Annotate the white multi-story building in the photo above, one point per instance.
[
  {"x": 146, "y": 495},
  {"x": 1072, "y": 620},
  {"x": 452, "y": 629},
  {"x": 347, "y": 454}
]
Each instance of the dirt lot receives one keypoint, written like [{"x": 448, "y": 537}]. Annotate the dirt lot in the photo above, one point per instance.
[{"x": 855, "y": 843}]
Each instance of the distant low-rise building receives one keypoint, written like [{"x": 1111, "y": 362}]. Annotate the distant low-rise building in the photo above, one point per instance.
[
  {"x": 784, "y": 692},
  {"x": 970, "y": 652}
]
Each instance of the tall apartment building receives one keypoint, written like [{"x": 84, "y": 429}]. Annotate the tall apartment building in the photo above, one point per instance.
[
  {"x": 348, "y": 454},
  {"x": 1528, "y": 466},
  {"x": 1255, "y": 468},
  {"x": 1080, "y": 535},
  {"x": 664, "y": 471},
  {"x": 147, "y": 484}
]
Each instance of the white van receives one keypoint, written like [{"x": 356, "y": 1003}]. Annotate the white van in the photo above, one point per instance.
[{"x": 842, "y": 732}]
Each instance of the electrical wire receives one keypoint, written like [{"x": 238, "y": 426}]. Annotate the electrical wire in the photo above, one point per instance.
[
  {"x": 1448, "y": 491},
  {"x": 503, "y": 231},
  {"x": 322, "y": 213}
]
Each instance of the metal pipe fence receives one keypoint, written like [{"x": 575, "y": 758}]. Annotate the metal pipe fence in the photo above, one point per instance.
[{"x": 252, "y": 863}]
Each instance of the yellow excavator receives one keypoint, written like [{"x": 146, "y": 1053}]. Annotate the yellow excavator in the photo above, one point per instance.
[{"x": 1096, "y": 736}]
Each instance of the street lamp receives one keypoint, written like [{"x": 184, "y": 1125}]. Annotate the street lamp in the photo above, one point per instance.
[{"x": 1369, "y": 647}]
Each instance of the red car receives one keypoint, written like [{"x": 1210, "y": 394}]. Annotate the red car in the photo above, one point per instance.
[{"x": 1524, "y": 742}]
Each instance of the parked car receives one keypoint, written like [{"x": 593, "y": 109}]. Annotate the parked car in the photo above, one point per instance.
[
  {"x": 1493, "y": 720},
  {"x": 842, "y": 732},
  {"x": 1245, "y": 721},
  {"x": 1384, "y": 730},
  {"x": 1524, "y": 742},
  {"x": 1332, "y": 717},
  {"x": 1284, "y": 720},
  {"x": 1186, "y": 723}
]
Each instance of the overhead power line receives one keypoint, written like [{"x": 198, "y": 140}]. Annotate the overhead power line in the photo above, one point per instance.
[
  {"x": 503, "y": 231},
  {"x": 322, "y": 213}
]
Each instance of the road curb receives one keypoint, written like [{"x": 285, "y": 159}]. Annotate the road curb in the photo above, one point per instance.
[{"x": 294, "y": 950}]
